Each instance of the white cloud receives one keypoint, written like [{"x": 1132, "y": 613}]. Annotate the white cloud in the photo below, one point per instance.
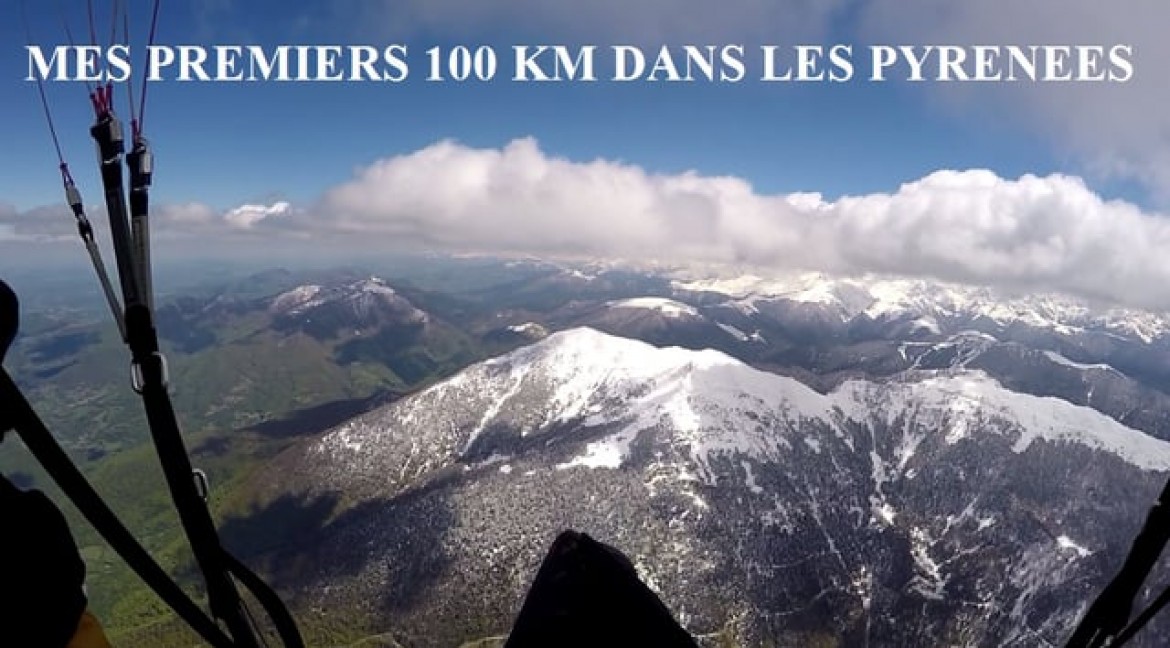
[
  {"x": 40, "y": 224},
  {"x": 248, "y": 216},
  {"x": 1044, "y": 233},
  {"x": 55, "y": 223},
  {"x": 1050, "y": 232}
]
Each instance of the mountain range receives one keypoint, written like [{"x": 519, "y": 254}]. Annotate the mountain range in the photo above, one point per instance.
[
  {"x": 762, "y": 511},
  {"x": 797, "y": 460}
]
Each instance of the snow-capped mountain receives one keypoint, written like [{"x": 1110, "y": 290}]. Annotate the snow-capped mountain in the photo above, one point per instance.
[
  {"x": 661, "y": 321},
  {"x": 935, "y": 508},
  {"x": 355, "y": 305},
  {"x": 929, "y": 305},
  {"x": 825, "y": 330}
]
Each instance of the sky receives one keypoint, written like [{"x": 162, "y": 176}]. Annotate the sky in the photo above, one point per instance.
[{"x": 1039, "y": 185}]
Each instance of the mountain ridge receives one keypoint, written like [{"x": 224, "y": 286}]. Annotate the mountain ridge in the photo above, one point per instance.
[
  {"x": 877, "y": 496},
  {"x": 878, "y": 297}
]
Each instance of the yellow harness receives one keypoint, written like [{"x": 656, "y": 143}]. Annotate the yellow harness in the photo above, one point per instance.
[{"x": 89, "y": 633}]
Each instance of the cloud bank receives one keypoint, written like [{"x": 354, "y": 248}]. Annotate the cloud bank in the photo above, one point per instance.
[
  {"x": 1033, "y": 233},
  {"x": 972, "y": 226}
]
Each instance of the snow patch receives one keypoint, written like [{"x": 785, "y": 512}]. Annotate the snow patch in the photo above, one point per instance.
[
  {"x": 577, "y": 274},
  {"x": 733, "y": 332},
  {"x": 667, "y": 307},
  {"x": 298, "y": 297},
  {"x": 1061, "y": 360},
  {"x": 750, "y": 479},
  {"x": 928, "y": 324},
  {"x": 1065, "y": 542},
  {"x": 598, "y": 455},
  {"x": 884, "y": 512},
  {"x": 374, "y": 286},
  {"x": 530, "y": 329},
  {"x": 928, "y": 579}
]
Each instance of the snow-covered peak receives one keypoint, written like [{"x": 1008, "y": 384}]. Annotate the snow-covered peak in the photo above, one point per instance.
[
  {"x": 296, "y": 298},
  {"x": 595, "y": 357},
  {"x": 373, "y": 285},
  {"x": 966, "y": 403},
  {"x": 714, "y": 404},
  {"x": 894, "y": 298},
  {"x": 362, "y": 296},
  {"x": 667, "y": 307}
]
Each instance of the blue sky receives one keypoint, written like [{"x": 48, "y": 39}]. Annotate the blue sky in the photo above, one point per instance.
[
  {"x": 695, "y": 171},
  {"x": 226, "y": 143}
]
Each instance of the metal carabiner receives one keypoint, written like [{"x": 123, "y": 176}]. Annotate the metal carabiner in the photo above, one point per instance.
[{"x": 137, "y": 381}]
